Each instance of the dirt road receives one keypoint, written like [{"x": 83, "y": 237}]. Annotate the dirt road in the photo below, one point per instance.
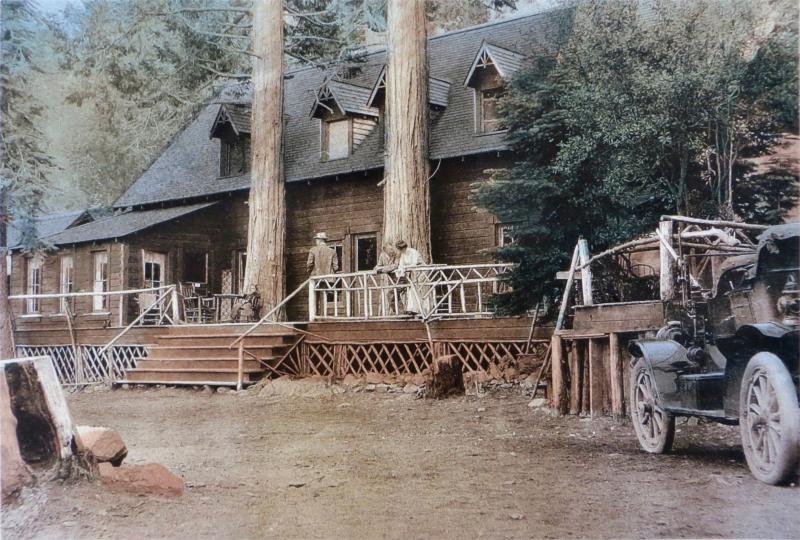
[{"x": 380, "y": 465}]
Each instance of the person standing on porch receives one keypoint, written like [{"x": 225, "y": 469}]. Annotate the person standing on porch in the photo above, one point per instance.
[
  {"x": 322, "y": 261},
  {"x": 387, "y": 263},
  {"x": 407, "y": 259}
]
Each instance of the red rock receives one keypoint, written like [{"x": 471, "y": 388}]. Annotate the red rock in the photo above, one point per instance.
[
  {"x": 103, "y": 443},
  {"x": 148, "y": 479}
]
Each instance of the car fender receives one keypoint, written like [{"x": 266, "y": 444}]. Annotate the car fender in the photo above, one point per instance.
[{"x": 665, "y": 359}]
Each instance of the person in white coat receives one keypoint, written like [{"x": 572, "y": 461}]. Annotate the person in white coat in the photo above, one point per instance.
[{"x": 409, "y": 258}]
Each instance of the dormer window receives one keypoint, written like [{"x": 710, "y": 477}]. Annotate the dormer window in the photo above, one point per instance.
[
  {"x": 234, "y": 156},
  {"x": 492, "y": 68},
  {"x": 336, "y": 137}
]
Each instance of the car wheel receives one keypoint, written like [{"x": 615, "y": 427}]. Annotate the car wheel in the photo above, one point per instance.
[
  {"x": 769, "y": 419},
  {"x": 655, "y": 427}
]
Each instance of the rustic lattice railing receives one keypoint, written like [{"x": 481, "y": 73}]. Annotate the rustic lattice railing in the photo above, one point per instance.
[
  {"x": 431, "y": 292},
  {"x": 87, "y": 364}
]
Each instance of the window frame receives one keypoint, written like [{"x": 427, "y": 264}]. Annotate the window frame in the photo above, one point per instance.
[
  {"x": 100, "y": 302},
  {"x": 66, "y": 281},
  {"x": 480, "y": 104},
  {"x": 325, "y": 137},
  {"x": 499, "y": 235},
  {"x": 34, "y": 267},
  {"x": 356, "y": 253}
]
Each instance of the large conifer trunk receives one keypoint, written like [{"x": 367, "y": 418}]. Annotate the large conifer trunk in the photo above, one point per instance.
[
  {"x": 6, "y": 330},
  {"x": 406, "y": 196},
  {"x": 265, "y": 266}
]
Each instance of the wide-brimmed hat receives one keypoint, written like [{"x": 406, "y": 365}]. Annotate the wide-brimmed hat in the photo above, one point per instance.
[
  {"x": 401, "y": 244},
  {"x": 320, "y": 236}
]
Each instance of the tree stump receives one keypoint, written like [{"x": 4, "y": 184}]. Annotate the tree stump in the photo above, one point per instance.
[{"x": 447, "y": 379}]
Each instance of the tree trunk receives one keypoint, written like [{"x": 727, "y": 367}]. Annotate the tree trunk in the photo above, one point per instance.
[
  {"x": 6, "y": 330},
  {"x": 266, "y": 233},
  {"x": 406, "y": 195}
]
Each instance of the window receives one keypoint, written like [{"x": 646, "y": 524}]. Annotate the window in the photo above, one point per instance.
[
  {"x": 366, "y": 252},
  {"x": 34, "y": 283},
  {"x": 336, "y": 139},
  {"x": 241, "y": 262},
  {"x": 505, "y": 235},
  {"x": 100, "y": 303},
  {"x": 195, "y": 267},
  {"x": 154, "y": 268},
  {"x": 66, "y": 281},
  {"x": 490, "y": 120},
  {"x": 234, "y": 156}
]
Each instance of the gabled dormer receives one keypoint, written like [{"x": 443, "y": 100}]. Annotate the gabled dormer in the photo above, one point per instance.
[
  {"x": 491, "y": 69},
  {"x": 438, "y": 92},
  {"x": 232, "y": 128},
  {"x": 344, "y": 116}
]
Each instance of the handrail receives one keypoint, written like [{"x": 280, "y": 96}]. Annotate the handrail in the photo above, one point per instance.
[
  {"x": 269, "y": 314},
  {"x": 81, "y": 294},
  {"x": 418, "y": 269},
  {"x": 169, "y": 290}
]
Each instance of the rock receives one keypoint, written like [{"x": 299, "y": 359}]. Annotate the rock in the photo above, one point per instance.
[
  {"x": 370, "y": 388},
  {"x": 207, "y": 389},
  {"x": 537, "y": 403},
  {"x": 223, "y": 390},
  {"x": 382, "y": 387},
  {"x": 475, "y": 377},
  {"x": 448, "y": 379},
  {"x": 148, "y": 479},
  {"x": 419, "y": 379},
  {"x": 103, "y": 443},
  {"x": 374, "y": 378},
  {"x": 351, "y": 380},
  {"x": 495, "y": 373},
  {"x": 410, "y": 389},
  {"x": 481, "y": 409},
  {"x": 529, "y": 381},
  {"x": 511, "y": 374}
]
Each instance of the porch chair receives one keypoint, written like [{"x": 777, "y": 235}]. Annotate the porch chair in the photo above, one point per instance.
[{"x": 196, "y": 308}]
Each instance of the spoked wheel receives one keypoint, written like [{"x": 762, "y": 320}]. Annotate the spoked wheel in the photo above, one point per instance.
[
  {"x": 769, "y": 419},
  {"x": 655, "y": 428}
]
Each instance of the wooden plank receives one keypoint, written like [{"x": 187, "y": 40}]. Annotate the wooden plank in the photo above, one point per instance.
[
  {"x": 558, "y": 393},
  {"x": 596, "y": 377},
  {"x": 575, "y": 372},
  {"x": 615, "y": 356}
]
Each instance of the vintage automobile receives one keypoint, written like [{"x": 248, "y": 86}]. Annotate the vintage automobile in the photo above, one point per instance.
[{"x": 730, "y": 355}]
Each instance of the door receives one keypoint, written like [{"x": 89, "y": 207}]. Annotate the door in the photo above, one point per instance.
[{"x": 154, "y": 270}]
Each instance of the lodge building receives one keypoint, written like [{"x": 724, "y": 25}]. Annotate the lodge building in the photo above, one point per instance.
[{"x": 185, "y": 218}]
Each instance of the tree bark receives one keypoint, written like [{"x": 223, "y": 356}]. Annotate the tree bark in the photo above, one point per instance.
[
  {"x": 406, "y": 194},
  {"x": 6, "y": 330},
  {"x": 266, "y": 233}
]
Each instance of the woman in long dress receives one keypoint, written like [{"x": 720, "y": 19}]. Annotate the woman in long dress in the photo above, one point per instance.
[{"x": 408, "y": 259}]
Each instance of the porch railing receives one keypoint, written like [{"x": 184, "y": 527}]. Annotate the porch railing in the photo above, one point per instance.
[{"x": 430, "y": 292}]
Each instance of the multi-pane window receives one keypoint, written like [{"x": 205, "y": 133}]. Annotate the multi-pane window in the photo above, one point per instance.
[
  {"x": 34, "y": 283},
  {"x": 100, "y": 283},
  {"x": 366, "y": 252},
  {"x": 490, "y": 115},
  {"x": 336, "y": 139},
  {"x": 234, "y": 156},
  {"x": 66, "y": 281},
  {"x": 505, "y": 235},
  {"x": 154, "y": 265}
]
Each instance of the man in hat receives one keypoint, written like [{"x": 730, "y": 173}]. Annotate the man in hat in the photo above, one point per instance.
[{"x": 322, "y": 258}]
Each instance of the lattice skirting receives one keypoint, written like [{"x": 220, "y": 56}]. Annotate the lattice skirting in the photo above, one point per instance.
[
  {"x": 90, "y": 366},
  {"x": 340, "y": 359}
]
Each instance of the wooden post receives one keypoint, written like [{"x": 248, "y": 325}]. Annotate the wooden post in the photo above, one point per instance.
[
  {"x": 596, "y": 377},
  {"x": 667, "y": 276},
  {"x": 558, "y": 390},
  {"x": 312, "y": 300},
  {"x": 567, "y": 289},
  {"x": 586, "y": 272},
  {"x": 575, "y": 378},
  {"x": 617, "y": 401},
  {"x": 176, "y": 312},
  {"x": 240, "y": 367},
  {"x": 585, "y": 387}
]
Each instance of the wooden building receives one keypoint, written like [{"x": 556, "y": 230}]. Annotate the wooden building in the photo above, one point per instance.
[{"x": 185, "y": 218}]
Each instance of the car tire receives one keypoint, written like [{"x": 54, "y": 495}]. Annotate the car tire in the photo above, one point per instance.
[
  {"x": 771, "y": 437},
  {"x": 655, "y": 427}
]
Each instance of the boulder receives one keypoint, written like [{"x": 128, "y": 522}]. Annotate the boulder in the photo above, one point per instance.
[
  {"x": 148, "y": 479},
  {"x": 420, "y": 379},
  {"x": 410, "y": 389},
  {"x": 104, "y": 444},
  {"x": 373, "y": 377},
  {"x": 448, "y": 379}
]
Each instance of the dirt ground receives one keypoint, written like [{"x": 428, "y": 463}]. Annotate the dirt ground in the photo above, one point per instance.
[{"x": 306, "y": 462}]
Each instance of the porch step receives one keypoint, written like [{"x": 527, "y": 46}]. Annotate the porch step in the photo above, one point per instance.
[
  {"x": 209, "y": 351},
  {"x": 201, "y": 354}
]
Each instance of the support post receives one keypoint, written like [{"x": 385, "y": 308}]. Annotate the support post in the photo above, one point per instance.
[
  {"x": 617, "y": 401},
  {"x": 176, "y": 312},
  {"x": 667, "y": 276},
  {"x": 586, "y": 272},
  {"x": 596, "y": 377},
  {"x": 574, "y": 358},
  {"x": 312, "y": 300},
  {"x": 567, "y": 289},
  {"x": 240, "y": 367},
  {"x": 558, "y": 389}
]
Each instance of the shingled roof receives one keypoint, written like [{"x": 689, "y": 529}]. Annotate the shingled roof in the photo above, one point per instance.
[
  {"x": 122, "y": 224},
  {"x": 189, "y": 165},
  {"x": 46, "y": 225}
]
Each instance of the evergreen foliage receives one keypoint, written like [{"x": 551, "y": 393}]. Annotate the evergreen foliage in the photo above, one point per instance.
[{"x": 643, "y": 111}]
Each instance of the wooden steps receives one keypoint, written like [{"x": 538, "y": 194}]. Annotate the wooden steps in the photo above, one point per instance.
[{"x": 196, "y": 354}]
